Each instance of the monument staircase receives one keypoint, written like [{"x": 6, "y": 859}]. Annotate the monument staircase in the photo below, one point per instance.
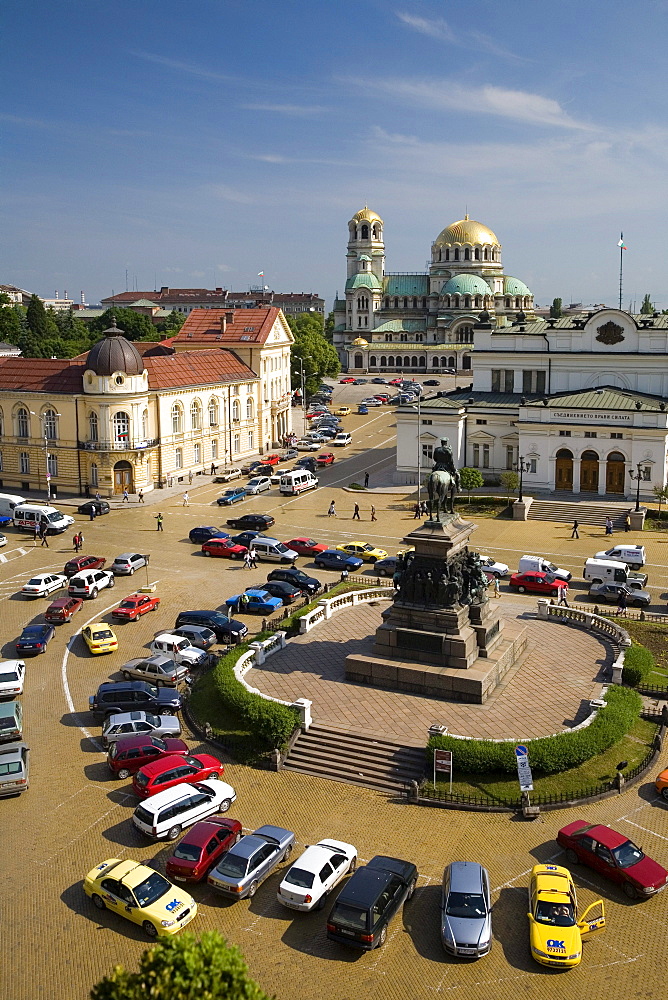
[{"x": 564, "y": 508}]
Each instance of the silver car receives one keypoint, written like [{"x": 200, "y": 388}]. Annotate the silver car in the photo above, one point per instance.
[
  {"x": 201, "y": 637},
  {"x": 14, "y": 769},
  {"x": 128, "y": 562},
  {"x": 123, "y": 724},
  {"x": 159, "y": 669},
  {"x": 248, "y": 862},
  {"x": 466, "y": 910}
]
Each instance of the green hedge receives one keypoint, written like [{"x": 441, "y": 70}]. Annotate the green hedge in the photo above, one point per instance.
[
  {"x": 549, "y": 754},
  {"x": 639, "y": 662}
]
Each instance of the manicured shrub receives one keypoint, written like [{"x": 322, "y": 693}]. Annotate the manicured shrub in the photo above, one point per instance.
[
  {"x": 548, "y": 754},
  {"x": 639, "y": 662}
]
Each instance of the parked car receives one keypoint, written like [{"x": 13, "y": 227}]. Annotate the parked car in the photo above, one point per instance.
[
  {"x": 158, "y": 669},
  {"x": 633, "y": 555},
  {"x": 325, "y": 458},
  {"x": 43, "y": 584},
  {"x": 272, "y": 459},
  {"x": 277, "y": 473},
  {"x": 248, "y": 468},
  {"x": 245, "y": 538},
  {"x": 278, "y": 588},
  {"x": 360, "y": 381},
  {"x": 226, "y": 629},
  {"x": 258, "y": 484},
  {"x": 538, "y": 583},
  {"x": 466, "y": 910},
  {"x": 163, "y": 816},
  {"x": 79, "y": 563},
  {"x": 140, "y": 894},
  {"x": 201, "y": 637},
  {"x": 306, "y": 444},
  {"x": 12, "y": 678},
  {"x": 256, "y": 522},
  {"x": 202, "y": 847},
  {"x": 363, "y": 550},
  {"x": 62, "y": 609},
  {"x": 14, "y": 769},
  {"x": 556, "y": 932},
  {"x": 89, "y": 582},
  {"x": 223, "y": 548},
  {"x": 128, "y": 563},
  {"x": 346, "y": 381},
  {"x": 494, "y": 568},
  {"x": 228, "y": 475},
  {"x": 333, "y": 559},
  {"x": 613, "y": 856},
  {"x": 343, "y": 411},
  {"x": 34, "y": 639},
  {"x": 178, "y": 648},
  {"x": 199, "y": 535},
  {"x": 297, "y": 578},
  {"x": 609, "y": 593},
  {"x": 129, "y": 753},
  {"x": 134, "y": 606},
  {"x": 661, "y": 782},
  {"x": 308, "y": 462},
  {"x": 432, "y": 381},
  {"x": 169, "y": 771},
  {"x": 240, "y": 871},
  {"x": 362, "y": 410},
  {"x": 289, "y": 454},
  {"x": 122, "y": 725},
  {"x": 306, "y": 546},
  {"x": 256, "y": 602},
  {"x": 99, "y": 506},
  {"x": 309, "y": 880},
  {"x": 387, "y": 566},
  {"x": 379, "y": 381},
  {"x": 99, "y": 638},
  {"x": 233, "y": 495},
  {"x": 11, "y": 721},
  {"x": 369, "y": 900},
  {"x": 372, "y": 401},
  {"x": 115, "y": 697}
]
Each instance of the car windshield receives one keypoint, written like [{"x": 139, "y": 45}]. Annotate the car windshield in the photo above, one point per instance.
[
  {"x": 465, "y": 904},
  {"x": 551, "y": 567},
  {"x": 627, "y": 854},
  {"x": 11, "y": 675},
  {"x": 11, "y": 767},
  {"x": 233, "y": 866},
  {"x": 35, "y": 582},
  {"x": 300, "y": 877},
  {"x": 187, "y": 852},
  {"x": 280, "y": 547},
  {"x": 557, "y": 914},
  {"x": 104, "y": 633},
  {"x": 129, "y": 604},
  {"x": 369, "y": 548},
  {"x": 308, "y": 541},
  {"x": 55, "y": 516},
  {"x": 549, "y": 578},
  {"x": 7, "y": 722},
  {"x": 151, "y": 889},
  {"x": 348, "y": 916}
]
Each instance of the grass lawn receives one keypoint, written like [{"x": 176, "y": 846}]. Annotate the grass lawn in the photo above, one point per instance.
[
  {"x": 484, "y": 506},
  {"x": 633, "y": 748},
  {"x": 655, "y": 637},
  {"x": 206, "y": 706}
]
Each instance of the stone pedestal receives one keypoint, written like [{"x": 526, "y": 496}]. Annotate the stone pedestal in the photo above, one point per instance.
[
  {"x": 521, "y": 509},
  {"x": 637, "y": 519}
]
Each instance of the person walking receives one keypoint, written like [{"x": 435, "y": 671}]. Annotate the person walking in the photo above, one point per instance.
[
  {"x": 627, "y": 523},
  {"x": 621, "y": 603},
  {"x": 417, "y": 510},
  {"x": 497, "y": 587},
  {"x": 36, "y": 535},
  {"x": 366, "y": 480},
  {"x": 186, "y": 499},
  {"x": 190, "y": 477},
  {"x": 373, "y": 513},
  {"x": 97, "y": 495},
  {"x": 332, "y": 510},
  {"x": 608, "y": 526},
  {"x": 242, "y": 605},
  {"x": 213, "y": 469},
  {"x": 356, "y": 513},
  {"x": 253, "y": 557},
  {"x": 75, "y": 541},
  {"x": 43, "y": 534},
  {"x": 92, "y": 513},
  {"x": 562, "y": 596},
  {"x": 126, "y": 496},
  {"x": 344, "y": 575},
  {"x": 424, "y": 508},
  {"x": 247, "y": 559},
  {"x": 159, "y": 519},
  {"x": 575, "y": 533},
  {"x": 140, "y": 496}
]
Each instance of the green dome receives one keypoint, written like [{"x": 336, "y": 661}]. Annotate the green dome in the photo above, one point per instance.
[
  {"x": 466, "y": 284},
  {"x": 513, "y": 286},
  {"x": 365, "y": 279}
]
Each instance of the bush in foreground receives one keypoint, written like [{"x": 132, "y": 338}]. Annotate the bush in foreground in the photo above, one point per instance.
[{"x": 638, "y": 664}]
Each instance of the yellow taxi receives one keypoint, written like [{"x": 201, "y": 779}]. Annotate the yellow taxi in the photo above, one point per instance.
[
  {"x": 343, "y": 411},
  {"x": 140, "y": 894},
  {"x": 555, "y": 931},
  {"x": 100, "y": 638},
  {"x": 369, "y": 553}
]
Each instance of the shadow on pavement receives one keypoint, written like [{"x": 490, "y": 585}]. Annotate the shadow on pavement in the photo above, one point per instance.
[
  {"x": 421, "y": 917},
  {"x": 74, "y": 898},
  {"x": 510, "y": 928}
]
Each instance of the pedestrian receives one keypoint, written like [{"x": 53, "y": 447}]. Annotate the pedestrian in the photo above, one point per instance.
[
  {"x": 417, "y": 510},
  {"x": 81, "y": 540},
  {"x": 190, "y": 476},
  {"x": 92, "y": 513},
  {"x": 627, "y": 523},
  {"x": 213, "y": 469},
  {"x": 575, "y": 533},
  {"x": 186, "y": 499},
  {"x": 253, "y": 557},
  {"x": 373, "y": 513},
  {"x": 43, "y": 534},
  {"x": 140, "y": 496},
  {"x": 75, "y": 541},
  {"x": 159, "y": 519},
  {"x": 247, "y": 559},
  {"x": 356, "y": 513},
  {"x": 608, "y": 526},
  {"x": 563, "y": 591},
  {"x": 344, "y": 575},
  {"x": 424, "y": 508},
  {"x": 36, "y": 535},
  {"x": 497, "y": 587},
  {"x": 621, "y": 603},
  {"x": 126, "y": 496},
  {"x": 242, "y": 603},
  {"x": 97, "y": 495},
  {"x": 332, "y": 510},
  {"x": 366, "y": 480}
]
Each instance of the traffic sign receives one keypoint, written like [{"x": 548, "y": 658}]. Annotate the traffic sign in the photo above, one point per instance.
[
  {"x": 523, "y": 769},
  {"x": 443, "y": 762},
  {"x": 521, "y": 751}
]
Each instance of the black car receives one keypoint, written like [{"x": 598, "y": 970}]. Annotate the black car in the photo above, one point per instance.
[
  {"x": 369, "y": 900},
  {"x": 256, "y": 522},
  {"x": 199, "y": 535},
  {"x": 246, "y": 537},
  {"x": 298, "y": 578},
  {"x": 99, "y": 506},
  {"x": 286, "y": 591},
  {"x": 227, "y": 629},
  {"x": 307, "y": 463},
  {"x": 133, "y": 696},
  {"x": 250, "y": 468},
  {"x": 432, "y": 381},
  {"x": 34, "y": 639}
]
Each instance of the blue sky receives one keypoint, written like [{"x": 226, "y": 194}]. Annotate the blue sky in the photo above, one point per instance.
[{"x": 193, "y": 142}]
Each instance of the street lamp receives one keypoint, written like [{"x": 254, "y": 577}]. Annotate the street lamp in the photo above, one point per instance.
[
  {"x": 637, "y": 479},
  {"x": 419, "y": 446},
  {"x": 42, "y": 417},
  {"x": 300, "y": 362},
  {"x": 522, "y": 466}
]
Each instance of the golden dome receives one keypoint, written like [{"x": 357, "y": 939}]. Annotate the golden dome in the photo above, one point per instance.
[
  {"x": 366, "y": 215},
  {"x": 466, "y": 231},
  {"x": 360, "y": 342}
]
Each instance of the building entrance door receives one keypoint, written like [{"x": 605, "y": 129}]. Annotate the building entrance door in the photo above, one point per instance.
[
  {"x": 123, "y": 477},
  {"x": 615, "y": 471},
  {"x": 589, "y": 472},
  {"x": 564, "y": 470}
]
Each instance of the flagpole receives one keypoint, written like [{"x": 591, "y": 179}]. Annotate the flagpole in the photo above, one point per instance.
[{"x": 621, "y": 266}]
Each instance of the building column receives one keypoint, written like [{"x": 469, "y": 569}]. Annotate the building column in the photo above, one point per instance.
[
  {"x": 576, "y": 475},
  {"x": 551, "y": 474},
  {"x": 602, "y": 463}
]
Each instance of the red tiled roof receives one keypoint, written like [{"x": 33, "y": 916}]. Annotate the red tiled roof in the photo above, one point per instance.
[
  {"x": 62, "y": 375},
  {"x": 218, "y": 295},
  {"x": 242, "y": 326}
]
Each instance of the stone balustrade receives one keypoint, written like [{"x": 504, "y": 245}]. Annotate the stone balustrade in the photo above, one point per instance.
[
  {"x": 593, "y": 623},
  {"x": 328, "y": 605}
]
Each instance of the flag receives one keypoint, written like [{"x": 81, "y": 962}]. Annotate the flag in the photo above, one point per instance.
[
  {"x": 622, "y": 245},
  {"x": 260, "y": 274}
]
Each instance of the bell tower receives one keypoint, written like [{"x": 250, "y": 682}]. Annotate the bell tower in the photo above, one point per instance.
[{"x": 365, "y": 239}]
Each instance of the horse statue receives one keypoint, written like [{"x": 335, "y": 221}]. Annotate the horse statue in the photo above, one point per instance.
[{"x": 443, "y": 481}]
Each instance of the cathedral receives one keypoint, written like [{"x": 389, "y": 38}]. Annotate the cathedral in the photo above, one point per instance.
[{"x": 418, "y": 323}]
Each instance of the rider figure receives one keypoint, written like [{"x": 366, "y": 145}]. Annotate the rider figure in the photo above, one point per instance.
[{"x": 444, "y": 459}]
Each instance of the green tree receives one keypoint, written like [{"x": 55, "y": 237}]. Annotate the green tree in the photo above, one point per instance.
[
  {"x": 184, "y": 968},
  {"x": 10, "y": 321},
  {"x": 134, "y": 325},
  {"x": 647, "y": 308},
  {"x": 510, "y": 481},
  {"x": 555, "y": 309},
  {"x": 172, "y": 324},
  {"x": 318, "y": 355},
  {"x": 661, "y": 495},
  {"x": 39, "y": 322},
  {"x": 329, "y": 327},
  {"x": 470, "y": 479}
]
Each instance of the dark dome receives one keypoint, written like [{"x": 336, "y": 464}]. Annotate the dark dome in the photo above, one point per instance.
[{"x": 114, "y": 354}]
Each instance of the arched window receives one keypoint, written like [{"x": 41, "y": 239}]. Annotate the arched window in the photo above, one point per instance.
[
  {"x": 195, "y": 415},
  {"x": 93, "y": 474},
  {"x": 477, "y": 253},
  {"x": 373, "y": 361},
  {"x": 466, "y": 362},
  {"x": 177, "y": 419},
  {"x": 250, "y": 408},
  {"x": 507, "y": 303},
  {"x": 455, "y": 302},
  {"x": 359, "y": 361},
  {"x": 376, "y": 232},
  {"x": 414, "y": 361},
  {"x": 396, "y": 303},
  {"x": 451, "y": 362},
  {"x": 467, "y": 301},
  {"x": 616, "y": 456},
  {"x": 405, "y": 302},
  {"x": 144, "y": 425},
  {"x": 236, "y": 410},
  {"x": 50, "y": 424},
  {"x": 485, "y": 254},
  {"x": 447, "y": 255},
  {"x": 407, "y": 362},
  {"x": 589, "y": 456},
  {"x": 467, "y": 254},
  {"x": 434, "y": 362},
  {"x": 424, "y": 302},
  {"x": 564, "y": 453},
  {"x": 121, "y": 427},
  {"x": 22, "y": 422},
  {"x": 457, "y": 254},
  {"x": 365, "y": 232},
  {"x": 93, "y": 427}
]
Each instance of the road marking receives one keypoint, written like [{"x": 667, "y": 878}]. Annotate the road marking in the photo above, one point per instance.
[{"x": 646, "y": 829}]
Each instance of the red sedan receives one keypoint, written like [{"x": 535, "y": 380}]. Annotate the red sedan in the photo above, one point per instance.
[
  {"x": 273, "y": 459},
  {"x": 306, "y": 546},
  {"x": 613, "y": 856},
  {"x": 79, "y": 563},
  {"x": 346, "y": 381},
  {"x": 126, "y": 756},
  {"x": 201, "y": 848},
  {"x": 168, "y": 771},
  {"x": 224, "y": 547},
  {"x": 62, "y": 609},
  {"x": 134, "y": 606},
  {"x": 395, "y": 381},
  {"x": 326, "y": 458},
  {"x": 538, "y": 583}
]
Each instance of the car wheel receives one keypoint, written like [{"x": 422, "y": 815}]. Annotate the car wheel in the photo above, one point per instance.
[
  {"x": 411, "y": 890},
  {"x": 112, "y": 582},
  {"x": 206, "y": 553},
  {"x": 382, "y": 937},
  {"x": 150, "y": 929},
  {"x": 94, "y": 594},
  {"x": 123, "y": 773},
  {"x": 288, "y": 852},
  {"x": 635, "y": 567},
  {"x": 521, "y": 589},
  {"x": 554, "y": 593},
  {"x": 372, "y": 559},
  {"x": 664, "y": 794},
  {"x": 216, "y": 776},
  {"x": 127, "y": 676},
  {"x": 629, "y": 890},
  {"x": 173, "y": 832},
  {"x": 572, "y": 857},
  {"x": 132, "y": 572},
  {"x": 352, "y": 866},
  {"x": 320, "y": 905},
  {"x": 224, "y": 805},
  {"x": 320, "y": 565},
  {"x": 252, "y": 888},
  {"x": 99, "y": 902}
]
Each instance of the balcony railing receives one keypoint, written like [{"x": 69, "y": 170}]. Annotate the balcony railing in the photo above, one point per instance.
[{"x": 118, "y": 445}]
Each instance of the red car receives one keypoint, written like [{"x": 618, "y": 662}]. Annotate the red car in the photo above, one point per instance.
[
  {"x": 79, "y": 563},
  {"x": 326, "y": 458},
  {"x": 62, "y": 609},
  {"x": 306, "y": 546},
  {"x": 134, "y": 606},
  {"x": 346, "y": 381},
  {"x": 126, "y": 756},
  {"x": 201, "y": 848},
  {"x": 224, "y": 547},
  {"x": 538, "y": 583},
  {"x": 161, "y": 774},
  {"x": 395, "y": 381},
  {"x": 272, "y": 459},
  {"x": 382, "y": 397},
  {"x": 613, "y": 856}
]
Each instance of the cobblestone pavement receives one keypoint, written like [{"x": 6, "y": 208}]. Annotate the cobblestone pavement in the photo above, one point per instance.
[{"x": 56, "y": 945}]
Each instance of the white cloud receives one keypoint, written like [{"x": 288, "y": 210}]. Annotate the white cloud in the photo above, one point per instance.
[
  {"x": 226, "y": 193},
  {"x": 434, "y": 27},
  {"x": 202, "y": 71},
  {"x": 437, "y": 28},
  {"x": 298, "y": 110}
]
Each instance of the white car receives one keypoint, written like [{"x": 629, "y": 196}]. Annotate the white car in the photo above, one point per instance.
[
  {"x": 305, "y": 445},
  {"x": 276, "y": 476},
  {"x": 490, "y": 565},
  {"x": 310, "y": 879},
  {"x": 3, "y": 540},
  {"x": 12, "y": 676},
  {"x": 44, "y": 584},
  {"x": 228, "y": 475},
  {"x": 258, "y": 485}
]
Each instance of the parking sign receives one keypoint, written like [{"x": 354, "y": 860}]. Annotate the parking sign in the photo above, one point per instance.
[{"x": 523, "y": 769}]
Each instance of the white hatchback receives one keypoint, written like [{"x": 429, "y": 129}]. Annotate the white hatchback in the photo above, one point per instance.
[
  {"x": 12, "y": 676},
  {"x": 310, "y": 879},
  {"x": 260, "y": 484},
  {"x": 44, "y": 584}
]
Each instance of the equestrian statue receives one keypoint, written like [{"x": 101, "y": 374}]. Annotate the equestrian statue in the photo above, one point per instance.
[{"x": 442, "y": 481}]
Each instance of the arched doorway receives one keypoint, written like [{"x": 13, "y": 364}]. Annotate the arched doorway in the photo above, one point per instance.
[
  {"x": 589, "y": 472},
  {"x": 615, "y": 470},
  {"x": 564, "y": 470},
  {"x": 123, "y": 477}
]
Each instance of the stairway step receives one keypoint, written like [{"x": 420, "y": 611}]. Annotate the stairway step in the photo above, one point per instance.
[
  {"x": 359, "y": 779},
  {"x": 343, "y": 745},
  {"x": 357, "y": 736},
  {"x": 380, "y": 767}
]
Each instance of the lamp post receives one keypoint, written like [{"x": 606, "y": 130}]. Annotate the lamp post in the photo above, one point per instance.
[
  {"x": 637, "y": 477},
  {"x": 522, "y": 466},
  {"x": 42, "y": 417},
  {"x": 300, "y": 362},
  {"x": 419, "y": 446}
]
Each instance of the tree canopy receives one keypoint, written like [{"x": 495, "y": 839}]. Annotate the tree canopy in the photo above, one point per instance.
[
  {"x": 555, "y": 309},
  {"x": 647, "y": 307},
  {"x": 318, "y": 355},
  {"x": 135, "y": 326}
]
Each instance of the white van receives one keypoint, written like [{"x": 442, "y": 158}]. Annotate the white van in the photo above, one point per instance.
[
  {"x": 537, "y": 564},
  {"x": 8, "y": 501},
  {"x": 605, "y": 571},
  {"x": 28, "y": 515},
  {"x": 297, "y": 482},
  {"x": 272, "y": 550},
  {"x": 633, "y": 555},
  {"x": 165, "y": 815},
  {"x": 342, "y": 439},
  {"x": 178, "y": 648}
]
